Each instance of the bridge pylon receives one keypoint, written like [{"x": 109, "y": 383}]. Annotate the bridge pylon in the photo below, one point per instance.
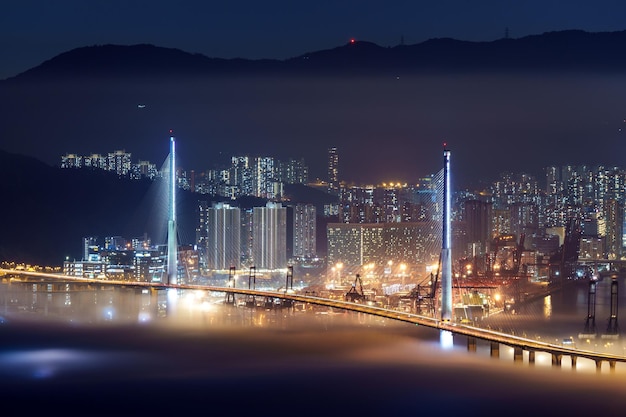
[
  {"x": 172, "y": 245},
  {"x": 446, "y": 261}
]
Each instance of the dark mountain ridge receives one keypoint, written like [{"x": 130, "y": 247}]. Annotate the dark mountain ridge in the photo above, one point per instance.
[{"x": 572, "y": 50}]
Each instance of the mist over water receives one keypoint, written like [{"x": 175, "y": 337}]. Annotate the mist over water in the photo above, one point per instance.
[{"x": 79, "y": 351}]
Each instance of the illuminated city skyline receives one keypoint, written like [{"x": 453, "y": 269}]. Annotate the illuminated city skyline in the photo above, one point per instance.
[{"x": 308, "y": 184}]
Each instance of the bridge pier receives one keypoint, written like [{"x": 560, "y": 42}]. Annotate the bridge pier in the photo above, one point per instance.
[
  {"x": 250, "y": 301},
  {"x": 598, "y": 365},
  {"x": 495, "y": 349},
  {"x": 531, "y": 357},
  {"x": 269, "y": 302},
  {"x": 556, "y": 359},
  {"x": 518, "y": 354},
  {"x": 612, "y": 366},
  {"x": 471, "y": 344},
  {"x": 573, "y": 358},
  {"x": 229, "y": 299}
]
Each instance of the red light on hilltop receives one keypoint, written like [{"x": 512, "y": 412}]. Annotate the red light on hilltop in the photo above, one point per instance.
[{"x": 352, "y": 40}]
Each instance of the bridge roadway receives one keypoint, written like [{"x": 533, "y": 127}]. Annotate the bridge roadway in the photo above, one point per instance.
[{"x": 495, "y": 338}]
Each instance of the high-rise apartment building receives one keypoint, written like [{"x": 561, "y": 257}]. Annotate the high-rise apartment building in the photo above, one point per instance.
[
  {"x": 71, "y": 160},
  {"x": 524, "y": 219},
  {"x": 95, "y": 161},
  {"x": 614, "y": 228},
  {"x": 304, "y": 231},
  {"x": 333, "y": 171},
  {"x": 240, "y": 176},
  {"x": 120, "y": 162},
  {"x": 269, "y": 236},
  {"x": 202, "y": 232},
  {"x": 293, "y": 171},
  {"x": 223, "y": 234},
  {"x": 479, "y": 224},
  {"x": 265, "y": 177},
  {"x": 144, "y": 169}
]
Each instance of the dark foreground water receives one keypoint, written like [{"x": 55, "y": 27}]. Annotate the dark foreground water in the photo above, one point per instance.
[{"x": 85, "y": 352}]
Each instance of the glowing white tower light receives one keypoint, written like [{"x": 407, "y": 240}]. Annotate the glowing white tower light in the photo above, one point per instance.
[
  {"x": 446, "y": 264},
  {"x": 172, "y": 247}
]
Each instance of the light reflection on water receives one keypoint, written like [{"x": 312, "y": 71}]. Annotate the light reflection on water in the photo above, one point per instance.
[
  {"x": 550, "y": 319},
  {"x": 100, "y": 337},
  {"x": 58, "y": 362},
  {"x": 547, "y": 307}
]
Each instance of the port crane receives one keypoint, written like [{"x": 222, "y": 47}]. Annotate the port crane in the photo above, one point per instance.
[{"x": 355, "y": 293}]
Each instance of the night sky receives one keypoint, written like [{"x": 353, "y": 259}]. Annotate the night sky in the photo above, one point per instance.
[{"x": 397, "y": 130}]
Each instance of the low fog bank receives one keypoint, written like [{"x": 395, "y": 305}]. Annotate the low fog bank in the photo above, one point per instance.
[{"x": 317, "y": 369}]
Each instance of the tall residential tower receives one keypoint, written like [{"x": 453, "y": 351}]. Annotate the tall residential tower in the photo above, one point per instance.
[
  {"x": 333, "y": 171},
  {"x": 269, "y": 236}
]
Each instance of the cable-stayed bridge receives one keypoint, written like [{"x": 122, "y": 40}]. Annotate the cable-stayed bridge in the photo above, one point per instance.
[
  {"x": 440, "y": 291},
  {"x": 524, "y": 349}
]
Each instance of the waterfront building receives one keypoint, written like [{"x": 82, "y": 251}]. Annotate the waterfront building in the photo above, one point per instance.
[
  {"x": 84, "y": 269},
  {"x": 91, "y": 249},
  {"x": 148, "y": 264},
  {"x": 591, "y": 248},
  {"x": 353, "y": 245}
]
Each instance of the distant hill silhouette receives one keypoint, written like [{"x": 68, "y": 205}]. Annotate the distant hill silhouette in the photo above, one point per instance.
[{"x": 573, "y": 50}]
